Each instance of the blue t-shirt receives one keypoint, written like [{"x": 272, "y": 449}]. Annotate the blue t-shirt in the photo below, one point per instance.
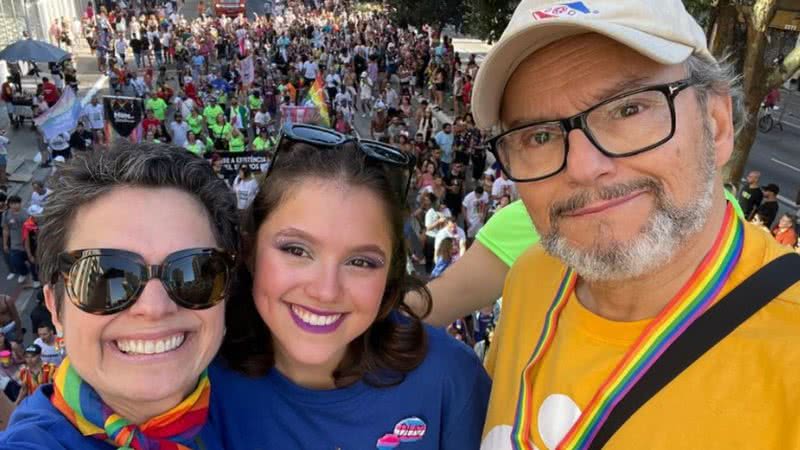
[
  {"x": 439, "y": 268},
  {"x": 445, "y": 142},
  {"x": 37, "y": 425},
  {"x": 443, "y": 400}
]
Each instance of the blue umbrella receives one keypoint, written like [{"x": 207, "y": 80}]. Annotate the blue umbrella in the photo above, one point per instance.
[{"x": 31, "y": 50}]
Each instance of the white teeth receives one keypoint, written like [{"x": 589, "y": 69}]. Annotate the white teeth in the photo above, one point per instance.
[
  {"x": 314, "y": 319},
  {"x": 150, "y": 347}
]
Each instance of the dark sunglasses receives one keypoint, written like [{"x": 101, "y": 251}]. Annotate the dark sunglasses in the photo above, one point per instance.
[
  {"x": 106, "y": 281},
  {"x": 377, "y": 151}
]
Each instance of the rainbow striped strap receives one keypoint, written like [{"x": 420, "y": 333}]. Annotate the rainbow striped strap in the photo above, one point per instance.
[
  {"x": 172, "y": 430},
  {"x": 694, "y": 298}
]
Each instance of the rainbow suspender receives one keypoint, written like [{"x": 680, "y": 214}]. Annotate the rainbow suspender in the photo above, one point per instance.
[{"x": 696, "y": 296}]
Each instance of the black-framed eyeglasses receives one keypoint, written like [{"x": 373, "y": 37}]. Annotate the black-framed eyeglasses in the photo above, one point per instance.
[
  {"x": 105, "y": 281},
  {"x": 624, "y": 125},
  {"x": 318, "y": 136}
]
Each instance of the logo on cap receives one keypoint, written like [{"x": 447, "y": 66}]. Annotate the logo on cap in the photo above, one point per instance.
[{"x": 570, "y": 9}]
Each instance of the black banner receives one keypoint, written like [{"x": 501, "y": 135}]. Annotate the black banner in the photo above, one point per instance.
[
  {"x": 124, "y": 113},
  {"x": 232, "y": 161}
]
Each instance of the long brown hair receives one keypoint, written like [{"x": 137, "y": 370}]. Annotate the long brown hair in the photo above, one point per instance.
[{"x": 396, "y": 342}]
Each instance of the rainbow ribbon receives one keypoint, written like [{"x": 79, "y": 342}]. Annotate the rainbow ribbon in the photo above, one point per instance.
[
  {"x": 696, "y": 296},
  {"x": 172, "y": 430}
]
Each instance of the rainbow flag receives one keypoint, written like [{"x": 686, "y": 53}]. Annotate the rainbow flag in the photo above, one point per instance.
[
  {"x": 316, "y": 97},
  {"x": 61, "y": 117}
]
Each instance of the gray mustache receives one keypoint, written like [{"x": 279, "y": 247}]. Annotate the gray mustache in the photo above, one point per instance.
[{"x": 584, "y": 198}]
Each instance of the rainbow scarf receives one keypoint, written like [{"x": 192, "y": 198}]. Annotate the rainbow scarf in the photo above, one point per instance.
[
  {"x": 316, "y": 96},
  {"x": 173, "y": 430},
  {"x": 696, "y": 296}
]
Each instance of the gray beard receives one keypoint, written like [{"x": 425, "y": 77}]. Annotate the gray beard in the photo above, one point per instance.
[{"x": 667, "y": 230}]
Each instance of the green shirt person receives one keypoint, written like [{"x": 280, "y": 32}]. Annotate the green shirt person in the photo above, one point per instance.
[
  {"x": 158, "y": 106},
  {"x": 262, "y": 142},
  {"x": 220, "y": 131},
  {"x": 211, "y": 111},
  {"x": 254, "y": 101},
  {"x": 236, "y": 141},
  {"x": 195, "y": 122},
  {"x": 194, "y": 145}
]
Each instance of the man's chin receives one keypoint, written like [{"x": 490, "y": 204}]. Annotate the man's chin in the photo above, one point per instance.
[{"x": 612, "y": 260}]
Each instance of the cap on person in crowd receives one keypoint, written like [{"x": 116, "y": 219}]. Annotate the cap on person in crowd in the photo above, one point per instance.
[
  {"x": 35, "y": 211},
  {"x": 772, "y": 187},
  {"x": 33, "y": 349},
  {"x": 669, "y": 37}
]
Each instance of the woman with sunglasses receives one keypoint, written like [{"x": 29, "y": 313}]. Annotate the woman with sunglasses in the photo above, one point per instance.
[
  {"x": 137, "y": 246},
  {"x": 328, "y": 353}
]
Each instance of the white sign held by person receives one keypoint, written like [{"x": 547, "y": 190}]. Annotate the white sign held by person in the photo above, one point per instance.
[
  {"x": 62, "y": 117},
  {"x": 248, "y": 71}
]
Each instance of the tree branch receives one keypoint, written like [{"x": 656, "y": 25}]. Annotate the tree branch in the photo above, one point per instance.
[
  {"x": 763, "y": 13},
  {"x": 779, "y": 74}
]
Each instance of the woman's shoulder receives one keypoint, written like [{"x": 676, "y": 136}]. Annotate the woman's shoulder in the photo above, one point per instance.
[{"x": 450, "y": 356}]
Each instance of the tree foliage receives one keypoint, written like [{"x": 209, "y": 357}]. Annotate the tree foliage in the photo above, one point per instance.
[
  {"x": 438, "y": 13},
  {"x": 487, "y": 19}
]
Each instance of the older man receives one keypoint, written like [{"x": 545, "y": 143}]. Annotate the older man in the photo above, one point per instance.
[{"x": 614, "y": 120}]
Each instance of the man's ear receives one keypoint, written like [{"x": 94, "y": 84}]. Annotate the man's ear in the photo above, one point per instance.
[
  {"x": 51, "y": 304},
  {"x": 720, "y": 113}
]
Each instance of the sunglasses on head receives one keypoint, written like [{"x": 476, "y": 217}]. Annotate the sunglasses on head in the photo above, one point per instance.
[
  {"x": 374, "y": 150},
  {"x": 106, "y": 281}
]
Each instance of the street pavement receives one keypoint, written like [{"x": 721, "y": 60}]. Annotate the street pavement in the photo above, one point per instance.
[
  {"x": 776, "y": 154},
  {"x": 23, "y": 170}
]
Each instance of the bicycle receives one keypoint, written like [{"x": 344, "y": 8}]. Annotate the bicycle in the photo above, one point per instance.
[{"x": 766, "y": 122}]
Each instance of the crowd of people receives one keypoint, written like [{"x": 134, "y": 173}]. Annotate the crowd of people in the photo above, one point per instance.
[
  {"x": 760, "y": 206},
  {"x": 403, "y": 87},
  {"x": 319, "y": 317}
]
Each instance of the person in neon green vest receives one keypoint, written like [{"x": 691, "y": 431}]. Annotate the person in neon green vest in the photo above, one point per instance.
[
  {"x": 193, "y": 144},
  {"x": 212, "y": 110},
  {"x": 255, "y": 101},
  {"x": 236, "y": 140},
  {"x": 219, "y": 131},
  {"x": 195, "y": 122},
  {"x": 263, "y": 141},
  {"x": 157, "y": 105}
]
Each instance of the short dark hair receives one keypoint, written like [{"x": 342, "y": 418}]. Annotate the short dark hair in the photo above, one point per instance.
[
  {"x": 14, "y": 199},
  {"x": 391, "y": 346},
  {"x": 772, "y": 187},
  {"x": 87, "y": 177}
]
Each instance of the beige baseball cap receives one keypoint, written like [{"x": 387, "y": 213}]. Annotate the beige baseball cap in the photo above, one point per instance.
[{"x": 660, "y": 29}]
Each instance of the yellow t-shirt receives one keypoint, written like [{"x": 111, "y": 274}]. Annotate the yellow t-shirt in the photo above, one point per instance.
[{"x": 743, "y": 393}]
